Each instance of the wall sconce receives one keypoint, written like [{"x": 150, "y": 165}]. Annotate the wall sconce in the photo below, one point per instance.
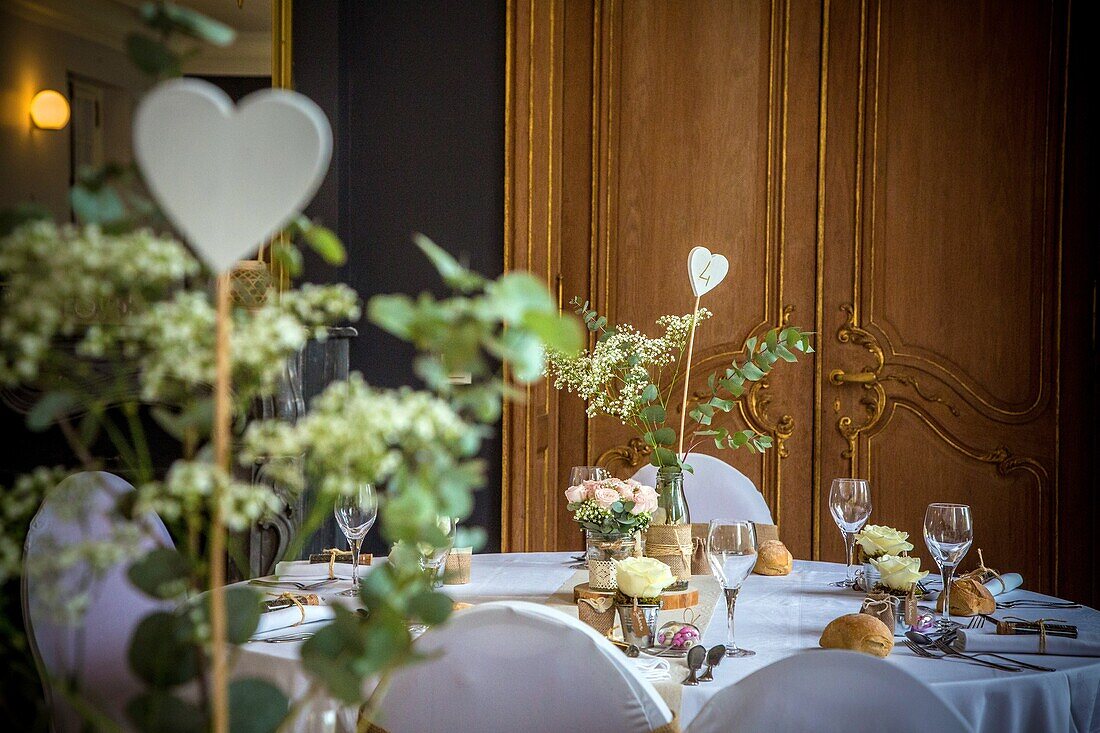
[{"x": 49, "y": 110}]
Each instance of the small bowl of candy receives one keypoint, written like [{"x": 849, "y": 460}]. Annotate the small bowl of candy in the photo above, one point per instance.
[{"x": 678, "y": 636}]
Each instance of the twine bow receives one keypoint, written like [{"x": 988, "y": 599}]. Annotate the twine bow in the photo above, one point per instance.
[
  {"x": 332, "y": 553},
  {"x": 602, "y": 604},
  {"x": 294, "y": 599},
  {"x": 660, "y": 549},
  {"x": 982, "y": 573},
  {"x": 881, "y": 608},
  {"x": 1040, "y": 622}
]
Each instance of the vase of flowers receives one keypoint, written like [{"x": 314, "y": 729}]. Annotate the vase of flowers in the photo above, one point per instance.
[
  {"x": 640, "y": 581},
  {"x": 876, "y": 541},
  {"x": 898, "y": 578},
  {"x": 611, "y": 511},
  {"x": 641, "y": 381}
]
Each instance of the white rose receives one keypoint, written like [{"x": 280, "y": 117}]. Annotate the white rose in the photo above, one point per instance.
[
  {"x": 899, "y": 573},
  {"x": 877, "y": 541},
  {"x": 642, "y": 577}
]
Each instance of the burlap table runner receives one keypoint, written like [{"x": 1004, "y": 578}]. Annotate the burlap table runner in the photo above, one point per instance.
[{"x": 709, "y": 593}]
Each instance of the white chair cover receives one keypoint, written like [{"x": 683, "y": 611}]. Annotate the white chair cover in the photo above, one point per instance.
[
  {"x": 515, "y": 666},
  {"x": 828, "y": 690},
  {"x": 96, "y": 651},
  {"x": 716, "y": 490}
]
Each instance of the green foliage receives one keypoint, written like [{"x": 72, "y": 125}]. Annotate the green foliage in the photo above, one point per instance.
[
  {"x": 163, "y": 573},
  {"x": 162, "y": 650},
  {"x": 255, "y": 706},
  {"x": 158, "y": 711}
]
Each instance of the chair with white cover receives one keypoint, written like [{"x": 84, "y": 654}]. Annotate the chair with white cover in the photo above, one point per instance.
[
  {"x": 716, "y": 490},
  {"x": 828, "y": 690},
  {"x": 516, "y": 666},
  {"x": 94, "y": 651}
]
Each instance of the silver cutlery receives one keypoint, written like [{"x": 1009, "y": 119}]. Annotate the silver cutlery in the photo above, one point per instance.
[
  {"x": 715, "y": 655},
  {"x": 926, "y": 641},
  {"x": 696, "y": 655},
  {"x": 300, "y": 586},
  {"x": 301, "y": 636},
  {"x": 1037, "y": 603}
]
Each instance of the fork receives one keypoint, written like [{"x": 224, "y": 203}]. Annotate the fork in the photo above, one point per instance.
[
  {"x": 950, "y": 639},
  {"x": 299, "y": 586},
  {"x": 949, "y": 650}
]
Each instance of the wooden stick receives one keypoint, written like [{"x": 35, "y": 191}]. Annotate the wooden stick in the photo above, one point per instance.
[
  {"x": 687, "y": 376},
  {"x": 220, "y": 693}
]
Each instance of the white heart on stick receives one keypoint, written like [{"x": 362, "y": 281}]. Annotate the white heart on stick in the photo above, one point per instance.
[
  {"x": 230, "y": 177},
  {"x": 706, "y": 270}
]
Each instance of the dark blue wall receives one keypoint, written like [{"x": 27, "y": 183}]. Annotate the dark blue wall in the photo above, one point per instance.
[{"x": 415, "y": 91}]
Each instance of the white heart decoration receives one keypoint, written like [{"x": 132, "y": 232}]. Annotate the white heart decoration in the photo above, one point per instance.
[
  {"x": 706, "y": 270},
  {"x": 229, "y": 177}
]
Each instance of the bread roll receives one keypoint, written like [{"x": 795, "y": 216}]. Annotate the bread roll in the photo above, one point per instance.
[
  {"x": 968, "y": 598},
  {"x": 859, "y": 632},
  {"x": 773, "y": 558}
]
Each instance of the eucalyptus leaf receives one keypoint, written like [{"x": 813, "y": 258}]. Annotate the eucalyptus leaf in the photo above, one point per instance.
[
  {"x": 152, "y": 56},
  {"x": 454, "y": 274},
  {"x": 324, "y": 242},
  {"x": 161, "y": 653},
  {"x": 49, "y": 409},
  {"x": 653, "y": 414},
  {"x": 430, "y": 607},
  {"x": 256, "y": 706},
  {"x": 159, "y": 711},
  {"x": 96, "y": 206},
  {"x": 162, "y": 573}
]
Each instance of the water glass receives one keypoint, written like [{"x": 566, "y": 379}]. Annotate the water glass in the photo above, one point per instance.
[
  {"x": 948, "y": 532},
  {"x": 578, "y": 475},
  {"x": 731, "y": 552},
  {"x": 432, "y": 557},
  {"x": 850, "y": 505},
  {"x": 355, "y": 513}
]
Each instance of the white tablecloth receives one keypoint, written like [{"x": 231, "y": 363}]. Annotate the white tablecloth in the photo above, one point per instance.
[{"x": 777, "y": 617}]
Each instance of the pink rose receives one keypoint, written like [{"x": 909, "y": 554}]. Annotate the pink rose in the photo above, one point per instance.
[
  {"x": 645, "y": 500},
  {"x": 575, "y": 493},
  {"x": 605, "y": 497},
  {"x": 625, "y": 489},
  {"x": 590, "y": 487}
]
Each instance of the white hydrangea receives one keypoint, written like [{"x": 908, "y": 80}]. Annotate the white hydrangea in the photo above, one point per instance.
[
  {"x": 190, "y": 486},
  {"x": 77, "y": 283},
  {"x": 356, "y": 433}
]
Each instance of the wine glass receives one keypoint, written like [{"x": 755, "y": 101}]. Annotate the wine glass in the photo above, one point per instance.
[
  {"x": 850, "y": 505},
  {"x": 432, "y": 557},
  {"x": 731, "y": 551},
  {"x": 355, "y": 513},
  {"x": 577, "y": 476},
  {"x": 948, "y": 532}
]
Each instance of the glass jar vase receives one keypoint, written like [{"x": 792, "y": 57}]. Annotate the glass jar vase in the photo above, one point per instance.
[
  {"x": 603, "y": 551},
  {"x": 668, "y": 538}
]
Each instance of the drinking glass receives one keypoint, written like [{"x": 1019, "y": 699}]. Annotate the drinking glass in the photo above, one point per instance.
[
  {"x": 578, "y": 475},
  {"x": 850, "y": 505},
  {"x": 948, "y": 532},
  {"x": 431, "y": 557},
  {"x": 355, "y": 513},
  {"x": 731, "y": 551}
]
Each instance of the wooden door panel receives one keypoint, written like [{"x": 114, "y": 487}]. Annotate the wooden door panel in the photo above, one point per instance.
[{"x": 939, "y": 289}]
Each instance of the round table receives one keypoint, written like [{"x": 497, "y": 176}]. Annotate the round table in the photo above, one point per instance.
[{"x": 777, "y": 617}]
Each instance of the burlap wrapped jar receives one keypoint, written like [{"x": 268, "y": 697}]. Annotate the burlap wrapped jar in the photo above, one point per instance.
[
  {"x": 599, "y": 613},
  {"x": 671, "y": 544}
]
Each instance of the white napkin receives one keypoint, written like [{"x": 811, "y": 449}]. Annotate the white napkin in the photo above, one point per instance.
[
  {"x": 653, "y": 669},
  {"x": 1004, "y": 584},
  {"x": 1087, "y": 644},
  {"x": 284, "y": 618},
  {"x": 304, "y": 570}
]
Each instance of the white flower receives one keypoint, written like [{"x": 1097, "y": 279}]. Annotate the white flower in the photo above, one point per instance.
[
  {"x": 899, "y": 573},
  {"x": 877, "y": 540},
  {"x": 642, "y": 577}
]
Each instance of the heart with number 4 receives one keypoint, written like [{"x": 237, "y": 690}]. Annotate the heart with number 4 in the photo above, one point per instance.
[
  {"x": 706, "y": 270},
  {"x": 230, "y": 177}
]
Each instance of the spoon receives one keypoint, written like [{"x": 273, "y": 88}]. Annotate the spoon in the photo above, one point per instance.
[
  {"x": 695, "y": 658},
  {"x": 714, "y": 656}
]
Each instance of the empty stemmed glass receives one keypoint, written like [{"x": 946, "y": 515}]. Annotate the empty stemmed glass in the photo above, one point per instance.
[
  {"x": 948, "y": 532},
  {"x": 432, "y": 557},
  {"x": 850, "y": 505},
  {"x": 355, "y": 513},
  {"x": 731, "y": 551},
  {"x": 577, "y": 476}
]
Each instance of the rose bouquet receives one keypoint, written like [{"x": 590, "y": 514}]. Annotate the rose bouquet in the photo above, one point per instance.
[{"x": 612, "y": 506}]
